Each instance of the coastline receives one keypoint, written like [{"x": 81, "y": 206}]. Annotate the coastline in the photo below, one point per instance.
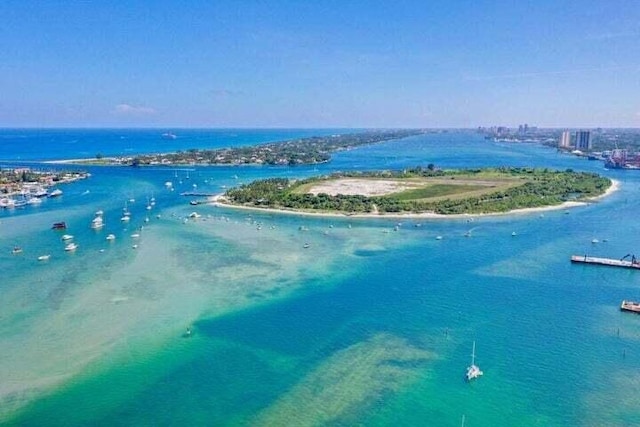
[
  {"x": 69, "y": 161},
  {"x": 218, "y": 200}
]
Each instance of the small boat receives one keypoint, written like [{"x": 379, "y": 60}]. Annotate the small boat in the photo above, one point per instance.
[
  {"x": 111, "y": 237},
  {"x": 306, "y": 245},
  {"x": 97, "y": 223},
  {"x": 513, "y": 234},
  {"x": 59, "y": 225},
  {"x": 594, "y": 241},
  {"x": 67, "y": 237},
  {"x": 134, "y": 246},
  {"x": 194, "y": 202},
  {"x": 16, "y": 250},
  {"x": 169, "y": 135},
  {"x": 473, "y": 371},
  {"x": 71, "y": 247},
  {"x": 194, "y": 215},
  {"x": 34, "y": 201},
  {"x": 55, "y": 193},
  {"x": 44, "y": 257},
  {"x": 125, "y": 218},
  {"x": 135, "y": 235},
  {"x": 99, "y": 213},
  {"x": 438, "y": 237},
  {"x": 38, "y": 192}
]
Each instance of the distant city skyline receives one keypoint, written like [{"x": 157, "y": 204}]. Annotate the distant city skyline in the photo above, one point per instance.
[{"x": 354, "y": 64}]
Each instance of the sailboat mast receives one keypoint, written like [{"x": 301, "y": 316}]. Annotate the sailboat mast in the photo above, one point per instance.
[{"x": 473, "y": 354}]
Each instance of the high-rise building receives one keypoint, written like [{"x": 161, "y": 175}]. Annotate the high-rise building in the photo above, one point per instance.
[
  {"x": 565, "y": 140},
  {"x": 583, "y": 140}
]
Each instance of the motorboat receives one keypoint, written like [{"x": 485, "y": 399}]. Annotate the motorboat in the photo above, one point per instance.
[
  {"x": 34, "y": 201},
  {"x": 71, "y": 247},
  {"x": 66, "y": 237},
  {"x": 97, "y": 222},
  {"x": 55, "y": 193},
  {"x": 111, "y": 237},
  {"x": 44, "y": 257}
]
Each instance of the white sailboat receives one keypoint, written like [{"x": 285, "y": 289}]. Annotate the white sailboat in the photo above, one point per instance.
[{"x": 473, "y": 371}]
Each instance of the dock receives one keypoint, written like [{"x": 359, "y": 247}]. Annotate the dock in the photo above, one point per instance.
[
  {"x": 197, "y": 194},
  {"x": 631, "y": 306},
  {"x": 584, "y": 259}
]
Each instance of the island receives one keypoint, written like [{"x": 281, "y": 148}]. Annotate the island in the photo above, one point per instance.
[
  {"x": 421, "y": 190},
  {"x": 303, "y": 151}
]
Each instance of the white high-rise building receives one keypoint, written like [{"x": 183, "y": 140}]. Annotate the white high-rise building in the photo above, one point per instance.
[{"x": 565, "y": 140}]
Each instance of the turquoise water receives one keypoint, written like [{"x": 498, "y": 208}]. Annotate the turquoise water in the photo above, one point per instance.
[{"x": 368, "y": 326}]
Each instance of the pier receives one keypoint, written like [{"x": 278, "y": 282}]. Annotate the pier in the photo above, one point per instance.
[
  {"x": 584, "y": 259},
  {"x": 197, "y": 194}
]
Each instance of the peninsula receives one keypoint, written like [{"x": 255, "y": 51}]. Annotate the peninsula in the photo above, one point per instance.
[
  {"x": 421, "y": 191},
  {"x": 303, "y": 151}
]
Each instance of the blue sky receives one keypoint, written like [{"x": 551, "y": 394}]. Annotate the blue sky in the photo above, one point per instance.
[{"x": 319, "y": 63}]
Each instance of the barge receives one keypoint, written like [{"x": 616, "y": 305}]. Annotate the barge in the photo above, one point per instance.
[
  {"x": 584, "y": 259},
  {"x": 631, "y": 306}
]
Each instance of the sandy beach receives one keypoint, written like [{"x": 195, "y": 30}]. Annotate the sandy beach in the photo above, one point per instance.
[
  {"x": 73, "y": 161},
  {"x": 219, "y": 200}
]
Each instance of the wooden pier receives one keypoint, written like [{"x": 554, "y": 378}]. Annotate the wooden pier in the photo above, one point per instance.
[{"x": 584, "y": 259}]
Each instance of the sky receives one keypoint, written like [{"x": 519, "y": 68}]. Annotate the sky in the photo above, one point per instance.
[{"x": 312, "y": 64}]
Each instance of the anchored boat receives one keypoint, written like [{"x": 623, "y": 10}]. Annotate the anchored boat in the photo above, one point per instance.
[{"x": 473, "y": 371}]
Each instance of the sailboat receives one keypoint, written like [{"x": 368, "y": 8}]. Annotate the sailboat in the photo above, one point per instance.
[{"x": 473, "y": 371}]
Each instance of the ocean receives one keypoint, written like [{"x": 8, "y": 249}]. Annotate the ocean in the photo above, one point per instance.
[{"x": 369, "y": 325}]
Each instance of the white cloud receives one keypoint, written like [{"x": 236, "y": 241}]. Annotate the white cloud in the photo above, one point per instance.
[
  {"x": 226, "y": 93},
  {"x": 133, "y": 110}
]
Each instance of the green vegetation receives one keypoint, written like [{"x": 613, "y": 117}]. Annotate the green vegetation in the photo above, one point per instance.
[
  {"x": 436, "y": 190},
  {"x": 470, "y": 191},
  {"x": 301, "y": 151}
]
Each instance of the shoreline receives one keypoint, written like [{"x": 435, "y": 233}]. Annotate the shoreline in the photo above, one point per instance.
[{"x": 615, "y": 186}]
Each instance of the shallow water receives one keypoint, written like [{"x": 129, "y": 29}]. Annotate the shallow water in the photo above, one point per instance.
[{"x": 366, "y": 326}]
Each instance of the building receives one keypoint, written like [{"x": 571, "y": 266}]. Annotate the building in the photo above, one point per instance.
[
  {"x": 565, "y": 140},
  {"x": 583, "y": 140}
]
